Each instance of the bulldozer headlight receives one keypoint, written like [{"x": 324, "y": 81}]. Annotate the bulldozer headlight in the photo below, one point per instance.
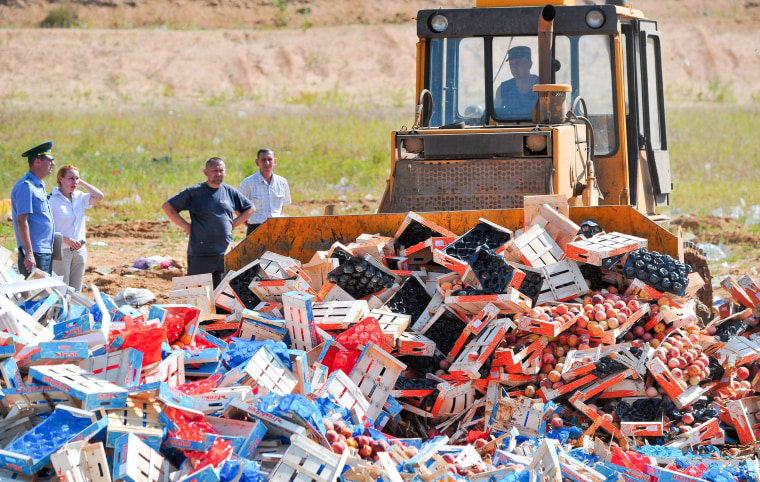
[
  {"x": 439, "y": 23},
  {"x": 595, "y": 18}
]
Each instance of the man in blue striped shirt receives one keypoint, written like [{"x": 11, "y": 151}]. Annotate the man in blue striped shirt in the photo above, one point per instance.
[{"x": 267, "y": 191}]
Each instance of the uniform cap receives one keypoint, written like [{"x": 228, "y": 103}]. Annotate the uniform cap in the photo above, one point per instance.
[
  {"x": 519, "y": 53},
  {"x": 44, "y": 149}
]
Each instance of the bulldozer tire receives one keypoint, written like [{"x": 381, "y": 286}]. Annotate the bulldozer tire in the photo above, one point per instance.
[{"x": 696, "y": 258}]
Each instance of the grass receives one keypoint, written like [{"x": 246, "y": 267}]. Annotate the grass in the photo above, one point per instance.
[
  {"x": 715, "y": 160},
  {"x": 140, "y": 158}
]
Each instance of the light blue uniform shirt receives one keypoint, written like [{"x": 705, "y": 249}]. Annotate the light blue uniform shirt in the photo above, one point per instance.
[{"x": 29, "y": 197}]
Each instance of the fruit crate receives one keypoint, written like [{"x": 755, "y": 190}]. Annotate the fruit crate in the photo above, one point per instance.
[
  {"x": 485, "y": 234},
  {"x": 279, "y": 266},
  {"x": 453, "y": 398},
  {"x": 339, "y": 315},
  {"x": 595, "y": 415},
  {"x": 564, "y": 280},
  {"x": 306, "y": 460},
  {"x": 260, "y": 327},
  {"x": 170, "y": 370},
  {"x": 82, "y": 385},
  {"x": 272, "y": 290},
  {"x": 467, "y": 365},
  {"x": 140, "y": 418},
  {"x": 552, "y": 327},
  {"x": 702, "y": 434},
  {"x": 196, "y": 290},
  {"x": 317, "y": 271},
  {"x": 215, "y": 399},
  {"x": 359, "y": 278},
  {"x": 268, "y": 374},
  {"x": 509, "y": 303},
  {"x": 675, "y": 392},
  {"x": 423, "y": 253},
  {"x": 134, "y": 461},
  {"x": 491, "y": 273},
  {"x": 598, "y": 386},
  {"x": 373, "y": 245},
  {"x": 415, "y": 229},
  {"x": 392, "y": 325},
  {"x": 599, "y": 247},
  {"x": 737, "y": 292},
  {"x": 641, "y": 428},
  {"x": 412, "y": 343},
  {"x": 743, "y": 415},
  {"x": 625, "y": 389},
  {"x": 609, "y": 337},
  {"x": 299, "y": 320},
  {"x": 535, "y": 248},
  {"x": 751, "y": 289},
  {"x": 523, "y": 414},
  {"x": 553, "y": 214},
  {"x": 375, "y": 373},
  {"x": 410, "y": 299},
  {"x": 122, "y": 367},
  {"x": 81, "y": 461},
  {"x": 476, "y": 324},
  {"x": 738, "y": 351},
  {"x": 524, "y": 359},
  {"x": 232, "y": 293},
  {"x": 346, "y": 394},
  {"x": 674, "y": 317},
  {"x": 444, "y": 328}
]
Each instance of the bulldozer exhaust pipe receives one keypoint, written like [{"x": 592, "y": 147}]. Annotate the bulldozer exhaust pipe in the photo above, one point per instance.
[{"x": 545, "y": 44}]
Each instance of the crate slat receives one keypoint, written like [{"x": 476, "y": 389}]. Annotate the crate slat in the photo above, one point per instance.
[{"x": 375, "y": 373}]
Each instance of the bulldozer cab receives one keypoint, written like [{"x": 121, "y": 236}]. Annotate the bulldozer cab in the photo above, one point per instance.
[{"x": 481, "y": 139}]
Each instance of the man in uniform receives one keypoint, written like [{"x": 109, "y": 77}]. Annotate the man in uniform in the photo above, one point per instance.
[
  {"x": 32, "y": 218},
  {"x": 267, "y": 191},
  {"x": 212, "y": 206}
]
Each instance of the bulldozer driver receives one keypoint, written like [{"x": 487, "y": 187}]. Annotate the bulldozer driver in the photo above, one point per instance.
[{"x": 515, "y": 98}]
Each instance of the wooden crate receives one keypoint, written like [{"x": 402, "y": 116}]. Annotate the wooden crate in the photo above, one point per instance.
[
  {"x": 269, "y": 374},
  {"x": 751, "y": 289},
  {"x": 375, "y": 373},
  {"x": 196, "y": 290},
  {"x": 599, "y": 247},
  {"x": 137, "y": 462},
  {"x": 412, "y": 343},
  {"x": 82, "y": 385},
  {"x": 453, "y": 398},
  {"x": 557, "y": 224},
  {"x": 81, "y": 461},
  {"x": 535, "y": 247},
  {"x": 346, "y": 394},
  {"x": 140, "y": 418},
  {"x": 318, "y": 270},
  {"x": 122, "y": 367},
  {"x": 392, "y": 325},
  {"x": 564, "y": 280},
  {"x": 476, "y": 324},
  {"x": 484, "y": 345},
  {"x": 273, "y": 289},
  {"x": 509, "y": 303},
  {"x": 170, "y": 370},
  {"x": 339, "y": 315},
  {"x": 549, "y": 328},
  {"x": 308, "y": 461},
  {"x": 412, "y": 218},
  {"x": 299, "y": 320}
]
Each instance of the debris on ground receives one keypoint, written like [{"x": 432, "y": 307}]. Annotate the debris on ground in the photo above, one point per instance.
[{"x": 560, "y": 352}]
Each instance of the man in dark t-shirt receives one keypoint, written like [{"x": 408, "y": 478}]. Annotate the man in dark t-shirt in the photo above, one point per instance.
[
  {"x": 515, "y": 98},
  {"x": 212, "y": 206}
]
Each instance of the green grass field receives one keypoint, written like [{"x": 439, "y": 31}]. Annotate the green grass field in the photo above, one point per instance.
[{"x": 141, "y": 157}]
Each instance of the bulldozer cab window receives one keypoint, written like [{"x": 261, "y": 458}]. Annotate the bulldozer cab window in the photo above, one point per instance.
[
  {"x": 456, "y": 78},
  {"x": 584, "y": 62}
]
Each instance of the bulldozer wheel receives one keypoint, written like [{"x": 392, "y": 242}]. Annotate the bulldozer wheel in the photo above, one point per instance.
[{"x": 696, "y": 258}]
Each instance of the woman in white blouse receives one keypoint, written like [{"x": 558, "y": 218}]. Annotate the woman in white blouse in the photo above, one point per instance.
[{"x": 68, "y": 205}]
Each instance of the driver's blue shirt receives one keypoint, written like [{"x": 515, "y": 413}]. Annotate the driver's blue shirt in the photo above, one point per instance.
[
  {"x": 29, "y": 197},
  {"x": 514, "y": 103}
]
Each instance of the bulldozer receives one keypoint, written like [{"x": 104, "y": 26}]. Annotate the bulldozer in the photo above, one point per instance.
[{"x": 520, "y": 98}]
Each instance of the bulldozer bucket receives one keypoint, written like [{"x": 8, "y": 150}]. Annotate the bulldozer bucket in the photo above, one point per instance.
[{"x": 301, "y": 237}]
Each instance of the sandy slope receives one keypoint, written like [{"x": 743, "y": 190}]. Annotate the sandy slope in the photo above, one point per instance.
[{"x": 706, "y": 43}]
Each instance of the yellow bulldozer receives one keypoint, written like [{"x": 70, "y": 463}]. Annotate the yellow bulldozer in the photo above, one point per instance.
[{"x": 519, "y": 98}]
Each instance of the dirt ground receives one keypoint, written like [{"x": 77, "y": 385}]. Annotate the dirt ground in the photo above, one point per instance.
[{"x": 164, "y": 52}]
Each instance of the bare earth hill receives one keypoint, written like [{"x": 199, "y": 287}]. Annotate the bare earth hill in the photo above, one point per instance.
[{"x": 153, "y": 52}]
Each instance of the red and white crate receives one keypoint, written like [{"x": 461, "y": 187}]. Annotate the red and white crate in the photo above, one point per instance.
[
  {"x": 475, "y": 326},
  {"x": 744, "y": 418},
  {"x": 269, "y": 374},
  {"x": 224, "y": 296},
  {"x": 422, "y": 253},
  {"x": 216, "y": 398},
  {"x": 701, "y": 434},
  {"x": 412, "y": 218},
  {"x": 170, "y": 370},
  {"x": 339, "y": 315},
  {"x": 525, "y": 361},
  {"x": 642, "y": 429},
  {"x": 484, "y": 345},
  {"x": 286, "y": 267},
  {"x": 346, "y": 394},
  {"x": 81, "y": 385},
  {"x": 675, "y": 392},
  {"x": 565, "y": 281},
  {"x": 375, "y": 373},
  {"x": 751, "y": 289},
  {"x": 257, "y": 326},
  {"x": 674, "y": 317},
  {"x": 511, "y": 302},
  {"x": 577, "y": 401},
  {"x": 524, "y": 414},
  {"x": 412, "y": 343},
  {"x": 269, "y": 308},
  {"x": 738, "y": 351},
  {"x": 317, "y": 270},
  {"x": 547, "y": 394},
  {"x": 625, "y": 388},
  {"x": 737, "y": 292},
  {"x": 453, "y": 398},
  {"x": 308, "y": 461},
  {"x": 299, "y": 320},
  {"x": 81, "y": 461},
  {"x": 549, "y": 328},
  {"x": 372, "y": 245},
  {"x": 609, "y": 337},
  {"x": 392, "y": 325},
  {"x": 535, "y": 247},
  {"x": 599, "y": 247},
  {"x": 597, "y": 387}
]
